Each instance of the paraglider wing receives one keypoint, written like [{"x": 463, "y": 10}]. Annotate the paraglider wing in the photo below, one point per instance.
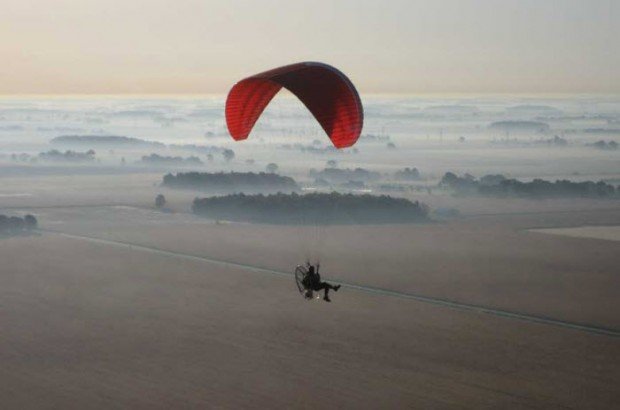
[{"x": 326, "y": 92}]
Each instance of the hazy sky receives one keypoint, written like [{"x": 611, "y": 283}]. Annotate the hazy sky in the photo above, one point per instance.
[{"x": 389, "y": 46}]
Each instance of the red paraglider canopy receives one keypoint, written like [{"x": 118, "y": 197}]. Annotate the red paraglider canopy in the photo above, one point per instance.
[{"x": 325, "y": 91}]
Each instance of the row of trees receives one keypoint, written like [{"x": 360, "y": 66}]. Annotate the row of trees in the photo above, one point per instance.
[
  {"x": 231, "y": 182},
  {"x": 606, "y": 146},
  {"x": 199, "y": 149},
  {"x": 317, "y": 149},
  {"x": 56, "y": 156},
  {"x": 358, "y": 177},
  {"x": 119, "y": 142},
  {"x": 498, "y": 185},
  {"x": 344, "y": 175},
  {"x": 374, "y": 138},
  {"x": 315, "y": 208},
  {"x": 11, "y": 225},
  {"x": 558, "y": 141},
  {"x": 155, "y": 159},
  {"x": 407, "y": 174},
  {"x": 555, "y": 141},
  {"x": 67, "y": 156}
]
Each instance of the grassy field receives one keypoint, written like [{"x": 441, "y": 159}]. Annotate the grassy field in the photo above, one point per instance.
[
  {"x": 492, "y": 261},
  {"x": 99, "y": 326},
  {"x": 114, "y": 304}
]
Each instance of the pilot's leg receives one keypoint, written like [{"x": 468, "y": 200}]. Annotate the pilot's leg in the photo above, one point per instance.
[
  {"x": 325, "y": 286},
  {"x": 321, "y": 286}
]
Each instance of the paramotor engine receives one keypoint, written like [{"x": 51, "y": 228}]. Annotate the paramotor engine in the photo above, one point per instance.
[{"x": 301, "y": 272}]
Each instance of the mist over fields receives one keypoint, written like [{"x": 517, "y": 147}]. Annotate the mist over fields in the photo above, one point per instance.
[
  {"x": 147, "y": 258},
  {"x": 484, "y": 135}
]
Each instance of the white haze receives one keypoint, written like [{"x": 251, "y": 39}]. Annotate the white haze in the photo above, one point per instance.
[{"x": 424, "y": 130}]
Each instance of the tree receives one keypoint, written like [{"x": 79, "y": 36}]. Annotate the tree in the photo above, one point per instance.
[
  {"x": 16, "y": 224},
  {"x": 408, "y": 174},
  {"x": 272, "y": 168},
  {"x": 160, "y": 201},
  {"x": 228, "y": 154},
  {"x": 30, "y": 222},
  {"x": 4, "y": 223},
  {"x": 492, "y": 179},
  {"x": 449, "y": 179}
]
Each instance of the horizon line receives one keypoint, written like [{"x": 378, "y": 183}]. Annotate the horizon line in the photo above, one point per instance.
[{"x": 369, "y": 94}]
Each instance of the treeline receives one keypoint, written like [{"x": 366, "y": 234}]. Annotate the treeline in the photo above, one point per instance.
[
  {"x": 498, "y": 185},
  {"x": 155, "y": 159},
  {"x": 340, "y": 175},
  {"x": 606, "y": 146},
  {"x": 315, "y": 208},
  {"x": 407, "y": 174},
  {"x": 374, "y": 138},
  {"x": 114, "y": 141},
  {"x": 200, "y": 149},
  {"x": 13, "y": 225},
  {"x": 230, "y": 182},
  {"x": 317, "y": 148},
  {"x": 67, "y": 156},
  {"x": 56, "y": 156},
  {"x": 555, "y": 141}
]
